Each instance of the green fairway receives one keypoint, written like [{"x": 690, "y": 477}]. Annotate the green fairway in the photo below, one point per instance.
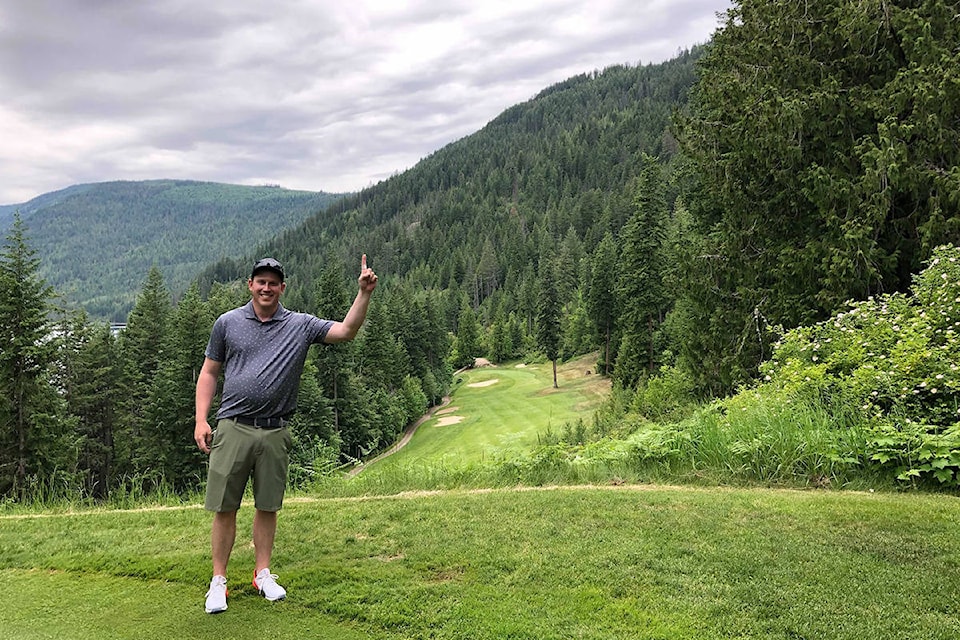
[{"x": 496, "y": 410}]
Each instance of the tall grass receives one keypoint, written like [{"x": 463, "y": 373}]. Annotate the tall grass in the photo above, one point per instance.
[{"x": 750, "y": 439}]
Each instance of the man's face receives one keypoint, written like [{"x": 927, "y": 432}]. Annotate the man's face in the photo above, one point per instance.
[{"x": 265, "y": 288}]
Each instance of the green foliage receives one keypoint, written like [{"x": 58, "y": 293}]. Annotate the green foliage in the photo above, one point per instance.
[
  {"x": 601, "y": 299},
  {"x": 666, "y": 397},
  {"x": 95, "y": 388},
  {"x": 548, "y": 313},
  {"x": 894, "y": 359},
  {"x": 825, "y": 143},
  {"x": 639, "y": 277},
  {"x": 467, "y": 345},
  {"x": 36, "y": 440},
  {"x": 97, "y": 240}
]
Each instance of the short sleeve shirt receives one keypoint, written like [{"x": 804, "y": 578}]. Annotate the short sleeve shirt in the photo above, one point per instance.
[{"x": 262, "y": 361}]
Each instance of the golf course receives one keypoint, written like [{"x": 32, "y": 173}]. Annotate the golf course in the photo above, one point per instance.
[{"x": 600, "y": 561}]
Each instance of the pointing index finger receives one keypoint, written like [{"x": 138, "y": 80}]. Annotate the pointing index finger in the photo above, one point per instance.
[{"x": 363, "y": 262}]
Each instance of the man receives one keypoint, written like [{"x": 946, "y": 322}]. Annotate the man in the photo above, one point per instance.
[{"x": 260, "y": 348}]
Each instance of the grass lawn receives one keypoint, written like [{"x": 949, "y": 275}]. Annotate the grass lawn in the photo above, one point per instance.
[
  {"x": 637, "y": 562},
  {"x": 496, "y": 410}
]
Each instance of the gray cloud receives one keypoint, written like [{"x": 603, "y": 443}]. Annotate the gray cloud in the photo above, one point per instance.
[{"x": 310, "y": 94}]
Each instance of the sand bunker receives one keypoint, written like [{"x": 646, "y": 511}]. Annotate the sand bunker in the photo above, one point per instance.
[
  {"x": 440, "y": 412},
  {"x": 485, "y": 383},
  {"x": 448, "y": 420}
]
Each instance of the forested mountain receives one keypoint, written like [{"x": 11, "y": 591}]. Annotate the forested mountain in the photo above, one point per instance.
[
  {"x": 98, "y": 241},
  {"x": 678, "y": 218},
  {"x": 548, "y": 177}
]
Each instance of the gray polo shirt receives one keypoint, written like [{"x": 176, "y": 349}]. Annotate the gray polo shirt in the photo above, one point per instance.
[{"x": 262, "y": 361}]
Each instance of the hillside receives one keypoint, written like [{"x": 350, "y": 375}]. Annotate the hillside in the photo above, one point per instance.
[
  {"x": 563, "y": 159},
  {"x": 477, "y": 214},
  {"x": 96, "y": 242}
]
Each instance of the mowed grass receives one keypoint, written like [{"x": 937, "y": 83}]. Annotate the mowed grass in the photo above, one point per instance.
[
  {"x": 500, "y": 410},
  {"x": 639, "y": 562}
]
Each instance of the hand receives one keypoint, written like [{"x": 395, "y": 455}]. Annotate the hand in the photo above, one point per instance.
[
  {"x": 368, "y": 279},
  {"x": 202, "y": 435}
]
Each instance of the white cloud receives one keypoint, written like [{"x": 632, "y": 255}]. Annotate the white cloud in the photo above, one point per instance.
[{"x": 319, "y": 95}]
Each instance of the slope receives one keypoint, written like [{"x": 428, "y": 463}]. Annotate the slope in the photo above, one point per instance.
[
  {"x": 479, "y": 212},
  {"x": 96, "y": 242}
]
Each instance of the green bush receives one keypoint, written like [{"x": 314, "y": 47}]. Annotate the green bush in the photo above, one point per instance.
[{"x": 890, "y": 364}]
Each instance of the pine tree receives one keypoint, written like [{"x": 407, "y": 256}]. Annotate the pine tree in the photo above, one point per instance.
[
  {"x": 144, "y": 347},
  {"x": 639, "y": 278},
  {"x": 33, "y": 419},
  {"x": 93, "y": 388},
  {"x": 548, "y": 317},
  {"x": 170, "y": 404},
  {"x": 601, "y": 301},
  {"x": 467, "y": 346},
  {"x": 825, "y": 144}
]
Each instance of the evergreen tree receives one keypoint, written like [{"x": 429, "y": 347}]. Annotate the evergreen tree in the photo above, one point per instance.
[
  {"x": 825, "y": 142},
  {"x": 601, "y": 301},
  {"x": 467, "y": 346},
  {"x": 170, "y": 404},
  {"x": 577, "y": 331},
  {"x": 144, "y": 347},
  {"x": 315, "y": 445},
  {"x": 639, "y": 285},
  {"x": 382, "y": 360},
  {"x": 548, "y": 318},
  {"x": 94, "y": 390},
  {"x": 34, "y": 427},
  {"x": 332, "y": 363}
]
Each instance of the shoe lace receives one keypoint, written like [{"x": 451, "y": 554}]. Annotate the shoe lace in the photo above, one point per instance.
[
  {"x": 265, "y": 578},
  {"x": 218, "y": 583}
]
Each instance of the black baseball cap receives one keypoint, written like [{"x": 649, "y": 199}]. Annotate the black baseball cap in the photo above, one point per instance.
[{"x": 268, "y": 263}]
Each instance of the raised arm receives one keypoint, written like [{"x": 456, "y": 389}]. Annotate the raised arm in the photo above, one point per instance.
[{"x": 347, "y": 329}]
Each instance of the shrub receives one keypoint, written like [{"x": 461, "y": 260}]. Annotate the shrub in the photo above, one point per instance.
[{"x": 891, "y": 362}]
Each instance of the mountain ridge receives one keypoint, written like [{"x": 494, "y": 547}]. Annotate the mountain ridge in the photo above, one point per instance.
[{"x": 97, "y": 241}]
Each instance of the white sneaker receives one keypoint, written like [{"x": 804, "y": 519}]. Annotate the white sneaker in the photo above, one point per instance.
[
  {"x": 266, "y": 583},
  {"x": 217, "y": 595}
]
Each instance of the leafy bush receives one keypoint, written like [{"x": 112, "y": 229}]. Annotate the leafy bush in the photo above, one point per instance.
[
  {"x": 666, "y": 397},
  {"x": 891, "y": 363}
]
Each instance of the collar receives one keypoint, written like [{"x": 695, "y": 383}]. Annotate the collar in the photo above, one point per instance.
[{"x": 280, "y": 314}]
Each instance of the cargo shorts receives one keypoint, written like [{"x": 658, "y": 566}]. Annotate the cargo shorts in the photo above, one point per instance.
[{"x": 239, "y": 452}]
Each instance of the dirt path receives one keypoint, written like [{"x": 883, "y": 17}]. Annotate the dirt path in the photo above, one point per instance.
[{"x": 407, "y": 435}]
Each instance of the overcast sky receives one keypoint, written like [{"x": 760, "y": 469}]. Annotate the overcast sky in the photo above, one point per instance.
[{"x": 323, "y": 95}]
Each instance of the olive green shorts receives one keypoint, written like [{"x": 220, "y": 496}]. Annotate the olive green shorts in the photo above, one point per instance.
[{"x": 239, "y": 452}]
